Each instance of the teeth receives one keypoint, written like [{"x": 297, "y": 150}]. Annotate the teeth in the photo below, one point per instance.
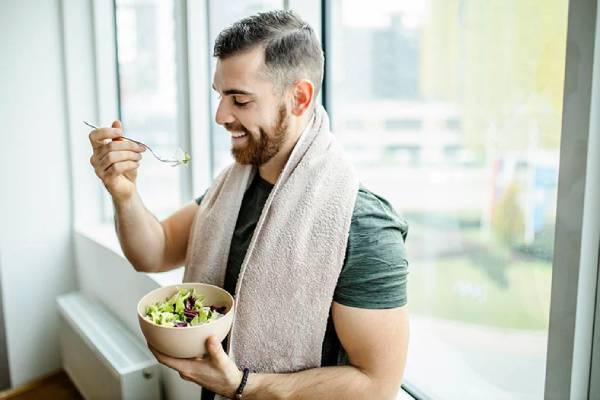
[{"x": 238, "y": 135}]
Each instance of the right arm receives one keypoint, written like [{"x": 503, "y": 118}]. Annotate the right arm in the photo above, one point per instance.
[{"x": 150, "y": 245}]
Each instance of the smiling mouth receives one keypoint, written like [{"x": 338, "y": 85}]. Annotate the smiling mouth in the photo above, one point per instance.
[{"x": 238, "y": 135}]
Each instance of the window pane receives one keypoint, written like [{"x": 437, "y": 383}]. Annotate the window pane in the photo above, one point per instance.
[
  {"x": 456, "y": 120},
  {"x": 221, "y": 15},
  {"x": 146, "y": 50}
]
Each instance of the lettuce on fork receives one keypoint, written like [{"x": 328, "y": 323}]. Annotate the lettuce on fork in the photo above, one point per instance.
[{"x": 184, "y": 308}]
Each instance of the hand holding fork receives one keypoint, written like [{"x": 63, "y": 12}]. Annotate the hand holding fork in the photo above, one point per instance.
[{"x": 184, "y": 159}]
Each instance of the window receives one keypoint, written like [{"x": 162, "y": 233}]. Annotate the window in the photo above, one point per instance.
[
  {"x": 222, "y": 14},
  {"x": 455, "y": 119},
  {"x": 478, "y": 181},
  {"x": 148, "y": 98},
  {"x": 403, "y": 124}
]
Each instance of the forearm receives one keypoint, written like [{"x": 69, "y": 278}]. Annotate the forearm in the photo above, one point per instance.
[
  {"x": 341, "y": 382},
  {"x": 141, "y": 236}
]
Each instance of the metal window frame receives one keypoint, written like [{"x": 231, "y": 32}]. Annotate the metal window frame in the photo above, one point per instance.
[
  {"x": 182, "y": 122},
  {"x": 325, "y": 41},
  {"x": 577, "y": 235},
  {"x": 108, "y": 84},
  {"x": 198, "y": 88},
  {"x": 88, "y": 72},
  {"x": 5, "y": 375},
  {"x": 313, "y": 12},
  {"x": 594, "y": 392}
]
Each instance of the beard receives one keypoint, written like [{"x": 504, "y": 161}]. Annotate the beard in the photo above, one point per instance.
[{"x": 258, "y": 151}]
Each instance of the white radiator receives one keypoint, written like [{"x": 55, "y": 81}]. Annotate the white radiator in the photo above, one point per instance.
[{"x": 103, "y": 359}]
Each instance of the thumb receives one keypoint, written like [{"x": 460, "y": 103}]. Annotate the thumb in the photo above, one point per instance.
[
  {"x": 116, "y": 124},
  {"x": 215, "y": 350}
]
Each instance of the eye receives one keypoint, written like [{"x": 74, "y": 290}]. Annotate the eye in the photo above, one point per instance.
[{"x": 239, "y": 104}]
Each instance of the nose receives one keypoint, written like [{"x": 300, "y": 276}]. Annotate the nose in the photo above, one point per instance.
[{"x": 223, "y": 114}]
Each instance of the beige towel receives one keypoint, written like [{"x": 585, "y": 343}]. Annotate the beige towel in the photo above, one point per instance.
[{"x": 287, "y": 279}]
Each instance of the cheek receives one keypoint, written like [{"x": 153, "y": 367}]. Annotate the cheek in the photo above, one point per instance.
[
  {"x": 252, "y": 124},
  {"x": 255, "y": 117}
]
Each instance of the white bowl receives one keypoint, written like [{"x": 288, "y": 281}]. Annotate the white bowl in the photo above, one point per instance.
[{"x": 187, "y": 341}]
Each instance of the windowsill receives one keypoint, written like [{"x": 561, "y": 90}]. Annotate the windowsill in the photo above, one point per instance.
[{"x": 104, "y": 235}]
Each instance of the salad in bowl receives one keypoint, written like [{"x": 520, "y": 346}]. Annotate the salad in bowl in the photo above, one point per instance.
[
  {"x": 178, "y": 319},
  {"x": 185, "y": 308}
]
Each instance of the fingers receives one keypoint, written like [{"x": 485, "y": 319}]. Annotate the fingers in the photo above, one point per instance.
[
  {"x": 184, "y": 377},
  {"x": 117, "y": 145},
  {"x": 215, "y": 350},
  {"x": 115, "y": 152},
  {"x": 120, "y": 168},
  {"x": 116, "y": 156},
  {"x": 182, "y": 365},
  {"x": 98, "y": 136}
]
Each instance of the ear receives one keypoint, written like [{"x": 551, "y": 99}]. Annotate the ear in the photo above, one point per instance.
[{"x": 302, "y": 92}]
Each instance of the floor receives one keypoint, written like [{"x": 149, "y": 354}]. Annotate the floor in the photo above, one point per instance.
[{"x": 56, "y": 387}]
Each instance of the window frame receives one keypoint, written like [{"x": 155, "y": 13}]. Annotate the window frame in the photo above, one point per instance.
[
  {"x": 199, "y": 89},
  {"x": 576, "y": 246},
  {"x": 182, "y": 78},
  {"x": 313, "y": 13},
  {"x": 90, "y": 70},
  {"x": 82, "y": 93},
  {"x": 107, "y": 74}
]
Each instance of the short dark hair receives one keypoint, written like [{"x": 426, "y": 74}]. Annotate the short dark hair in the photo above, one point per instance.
[{"x": 292, "y": 50}]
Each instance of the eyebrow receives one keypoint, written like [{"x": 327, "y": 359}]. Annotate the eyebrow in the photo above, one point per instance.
[{"x": 229, "y": 92}]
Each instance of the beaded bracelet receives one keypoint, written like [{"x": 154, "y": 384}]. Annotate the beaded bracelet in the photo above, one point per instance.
[{"x": 240, "y": 389}]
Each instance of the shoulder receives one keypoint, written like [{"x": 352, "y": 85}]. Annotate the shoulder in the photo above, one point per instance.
[
  {"x": 375, "y": 269},
  {"x": 374, "y": 214}
]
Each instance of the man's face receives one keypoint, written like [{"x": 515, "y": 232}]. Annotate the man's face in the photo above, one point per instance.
[{"x": 250, "y": 108}]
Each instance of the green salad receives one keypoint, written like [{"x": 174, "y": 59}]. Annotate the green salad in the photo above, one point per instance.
[{"x": 184, "y": 308}]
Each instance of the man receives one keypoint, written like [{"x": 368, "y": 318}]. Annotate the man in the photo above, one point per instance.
[{"x": 315, "y": 261}]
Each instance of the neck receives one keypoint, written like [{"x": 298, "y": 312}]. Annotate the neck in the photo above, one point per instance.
[{"x": 271, "y": 170}]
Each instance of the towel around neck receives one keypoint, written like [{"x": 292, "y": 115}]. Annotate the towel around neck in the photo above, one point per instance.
[{"x": 288, "y": 276}]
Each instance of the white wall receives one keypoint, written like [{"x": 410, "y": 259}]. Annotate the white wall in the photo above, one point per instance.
[{"x": 35, "y": 200}]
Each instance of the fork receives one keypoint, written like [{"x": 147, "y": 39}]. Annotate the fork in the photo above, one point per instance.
[{"x": 173, "y": 162}]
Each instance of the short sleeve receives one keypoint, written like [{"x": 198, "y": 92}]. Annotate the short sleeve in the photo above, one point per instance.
[
  {"x": 199, "y": 199},
  {"x": 375, "y": 270}
]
